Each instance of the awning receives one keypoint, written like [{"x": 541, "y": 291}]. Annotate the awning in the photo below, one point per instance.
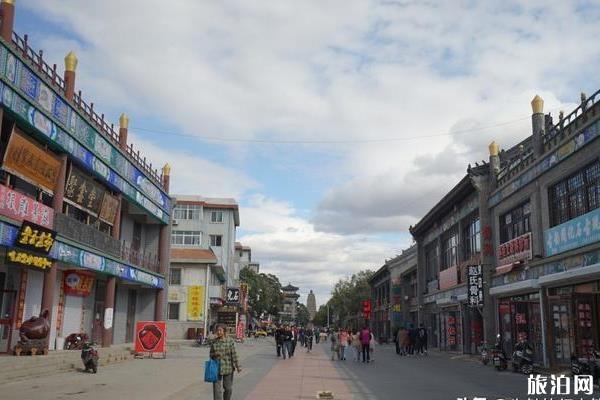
[{"x": 505, "y": 269}]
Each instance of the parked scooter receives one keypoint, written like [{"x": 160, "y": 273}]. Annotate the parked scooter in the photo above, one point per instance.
[
  {"x": 587, "y": 366},
  {"x": 89, "y": 356},
  {"x": 498, "y": 355},
  {"x": 522, "y": 358}
]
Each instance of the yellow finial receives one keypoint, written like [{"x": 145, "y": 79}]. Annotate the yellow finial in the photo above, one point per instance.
[
  {"x": 537, "y": 105},
  {"x": 167, "y": 170},
  {"x": 494, "y": 148},
  {"x": 9, "y": 1},
  {"x": 124, "y": 121},
  {"x": 70, "y": 62}
]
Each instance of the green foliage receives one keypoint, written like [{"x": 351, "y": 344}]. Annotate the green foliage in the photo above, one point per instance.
[
  {"x": 302, "y": 315},
  {"x": 348, "y": 294},
  {"x": 321, "y": 316},
  {"x": 264, "y": 292}
]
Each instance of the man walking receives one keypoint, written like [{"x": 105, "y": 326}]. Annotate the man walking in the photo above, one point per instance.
[
  {"x": 287, "y": 342},
  {"x": 365, "y": 341},
  {"x": 223, "y": 350},
  {"x": 279, "y": 340},
  {"x": 422, "y": 337},
  {"x": 309, "y": 340}
]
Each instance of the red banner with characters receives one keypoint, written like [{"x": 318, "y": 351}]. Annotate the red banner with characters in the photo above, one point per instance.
[
  {"x": 77, "y": 283},
  {"x": 20, "y": 207},
  {"x": 150, "y": 337}
]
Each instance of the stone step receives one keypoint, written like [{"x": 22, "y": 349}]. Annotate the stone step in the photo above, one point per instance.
[{"x": 14, "y": 368}]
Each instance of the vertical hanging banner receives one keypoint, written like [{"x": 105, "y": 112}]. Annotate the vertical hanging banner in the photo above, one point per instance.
[
  {"x": 195, "y": 303},
  {"x": 475, "y": 285}
]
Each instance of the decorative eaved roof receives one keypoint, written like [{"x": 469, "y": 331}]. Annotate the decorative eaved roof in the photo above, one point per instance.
[{"x": 290, "y": 288}]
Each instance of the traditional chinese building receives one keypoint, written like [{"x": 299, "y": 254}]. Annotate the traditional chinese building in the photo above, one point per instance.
[
  {"x": 546, "y": 230},
  {"x": 84, "y": 218},
  {"x": 290, "y": 303},
  {"x": 450, "y": 239}
]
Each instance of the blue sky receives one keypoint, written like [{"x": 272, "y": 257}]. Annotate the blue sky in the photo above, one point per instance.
[{"x": 439, "y": 80}]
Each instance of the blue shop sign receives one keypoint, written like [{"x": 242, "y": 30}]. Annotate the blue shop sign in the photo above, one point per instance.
[{"x": 575, "y": 233}]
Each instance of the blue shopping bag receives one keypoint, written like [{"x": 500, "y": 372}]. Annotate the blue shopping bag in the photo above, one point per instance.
[{"x": 211, "y": 371}]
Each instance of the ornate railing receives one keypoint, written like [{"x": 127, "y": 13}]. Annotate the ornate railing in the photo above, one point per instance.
[
  {"x": 139, "y": 257},
  {"x": 37, "y": 62},
  {"x": 92, "y": 237}
]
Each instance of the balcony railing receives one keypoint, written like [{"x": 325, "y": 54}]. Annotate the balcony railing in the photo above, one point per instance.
[
  {"x": 90, "y": 236},
  {"x": 141, "y": 258},
  {"x": 37, "y": 62},
  {"x": 86, "y": 234}
]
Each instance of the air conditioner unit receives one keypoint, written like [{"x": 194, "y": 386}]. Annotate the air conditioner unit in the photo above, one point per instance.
[{"x": 174, "y": 222}]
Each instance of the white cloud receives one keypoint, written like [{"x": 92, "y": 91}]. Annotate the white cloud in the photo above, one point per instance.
[
  {"x": 289, "y": 246},
  {"x": 192, "y": 174}
]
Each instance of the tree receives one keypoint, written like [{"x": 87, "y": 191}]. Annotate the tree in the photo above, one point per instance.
[
  {"x": 321, "y": 316},
  {"x": 302, "y": 315},
  {"x": 347, "y": 295},
  {"x": 264, "y": 292}
]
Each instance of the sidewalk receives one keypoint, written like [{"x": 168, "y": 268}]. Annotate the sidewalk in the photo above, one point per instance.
[{"x": 301, "y": 377}]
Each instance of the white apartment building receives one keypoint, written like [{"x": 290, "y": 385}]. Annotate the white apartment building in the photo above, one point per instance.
[
  {"x": 202, "y": 262},
  {"x": 243, "y": 258}
]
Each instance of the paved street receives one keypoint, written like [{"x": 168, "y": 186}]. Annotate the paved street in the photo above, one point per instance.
[
  {"x": 180, "y": 377},
  {"x": 434, "y": 377}
]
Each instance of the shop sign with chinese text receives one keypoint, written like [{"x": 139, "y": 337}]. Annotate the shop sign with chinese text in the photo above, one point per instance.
[
  {"x": 35, "y": 237},
  {"x": 31, "y": 260},
  {"x": 195, "y": 303},
  {"x": 475, "y": 285},
  {"x": 77, "y": 283},
  {"x": 233, "y": 295},
  {"x": 31, "y": 162},
  {"x": 514, "y": 250},
  {"x": 575, "y": 233},
  {"x": 84, "y": 191},
  {"x": 21, "y": 207}
]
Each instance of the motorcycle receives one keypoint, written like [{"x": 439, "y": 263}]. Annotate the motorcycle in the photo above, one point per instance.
[
  {"x": 522, "y": 358},
  {"x": 89, "y": 356},
  {"x": 587, "y": 366},
  {"x": 498, "y": 355}
]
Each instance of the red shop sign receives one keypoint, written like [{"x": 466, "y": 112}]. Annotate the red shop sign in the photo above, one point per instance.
[
  {"x": 515, "y": 250},
  {"x": 77, "y": 283},
  {"x": 150, "y": 337},
  {"x": 20, "y": 207}
]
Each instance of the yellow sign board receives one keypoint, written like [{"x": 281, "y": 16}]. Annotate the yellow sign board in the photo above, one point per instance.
[{"x": 195, "y": 303}]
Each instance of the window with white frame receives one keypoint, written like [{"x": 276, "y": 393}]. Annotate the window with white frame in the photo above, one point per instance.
[
  {"x": 190, "y": 238},
  {"x": 216, "y": 240},
  {"x": 186, "y": 211},
  {"x": 216, "y": 216}
]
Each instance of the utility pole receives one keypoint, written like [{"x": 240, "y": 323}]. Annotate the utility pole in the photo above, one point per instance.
[{"x": 327, "y": 316}]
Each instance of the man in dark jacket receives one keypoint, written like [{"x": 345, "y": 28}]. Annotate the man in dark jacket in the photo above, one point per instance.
[
  {"x": 287, "y": 342},
  {"x": 422, "y": 339}
]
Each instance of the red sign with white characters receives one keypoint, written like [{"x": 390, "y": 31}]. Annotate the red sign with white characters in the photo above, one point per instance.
[
  {"x": 515, "y": 250},
  {"x": 150, "y": 337},
  {"x": 20, "y": 207}
]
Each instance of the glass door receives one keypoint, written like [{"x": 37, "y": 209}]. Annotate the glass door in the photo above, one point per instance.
[{"x": 563, "y": 343}]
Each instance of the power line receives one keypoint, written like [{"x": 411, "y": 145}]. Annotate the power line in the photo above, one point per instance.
[{"x": 343, "y": 141}]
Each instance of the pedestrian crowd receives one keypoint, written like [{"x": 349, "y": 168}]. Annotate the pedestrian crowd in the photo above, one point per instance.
[
  {"x": 411, "y": 341},
  {"x": 287, "y": 337},
  {"x": 357, "y": 344}
]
